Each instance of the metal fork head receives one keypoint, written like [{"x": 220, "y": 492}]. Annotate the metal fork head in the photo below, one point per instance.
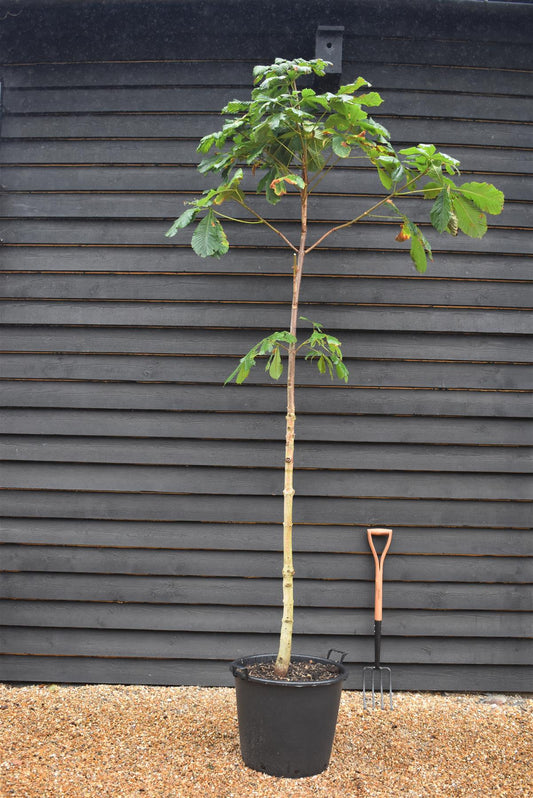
[{"x": 374, "y": 670}]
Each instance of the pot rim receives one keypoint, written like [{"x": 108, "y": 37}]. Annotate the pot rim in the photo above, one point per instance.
[{"x": 240, "y": 671}]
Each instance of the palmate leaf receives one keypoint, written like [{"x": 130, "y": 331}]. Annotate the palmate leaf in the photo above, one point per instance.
[
  {"x": 485, "y": 196},
  {"x": 209, "y": 238}
]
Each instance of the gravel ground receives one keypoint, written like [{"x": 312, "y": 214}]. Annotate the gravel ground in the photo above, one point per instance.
[{"x": 179, "y": 742}]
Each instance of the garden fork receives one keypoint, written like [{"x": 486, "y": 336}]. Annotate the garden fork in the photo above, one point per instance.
[{"x": 377, "y": 667}]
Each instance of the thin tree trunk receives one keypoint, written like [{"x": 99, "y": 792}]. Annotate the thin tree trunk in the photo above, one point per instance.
[{"x": 285, "y": 644}]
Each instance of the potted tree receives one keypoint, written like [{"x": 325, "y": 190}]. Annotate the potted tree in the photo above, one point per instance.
[{"x": 288, "y": 138}]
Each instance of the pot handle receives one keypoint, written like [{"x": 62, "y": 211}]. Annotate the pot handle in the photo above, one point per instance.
[
  {"x": 239, "y": 671},
  {"x": 336, "y": 650}
]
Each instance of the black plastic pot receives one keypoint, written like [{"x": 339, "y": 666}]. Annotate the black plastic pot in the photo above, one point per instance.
[{"x": 286, "y": 728}]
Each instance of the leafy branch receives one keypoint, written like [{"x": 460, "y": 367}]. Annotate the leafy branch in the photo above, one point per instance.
[
  {"x": 267, "y": 346},
  {"x": 324, "y": 348}
]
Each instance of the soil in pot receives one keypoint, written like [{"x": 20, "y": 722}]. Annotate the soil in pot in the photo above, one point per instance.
[{"x": 308, "y": 670}]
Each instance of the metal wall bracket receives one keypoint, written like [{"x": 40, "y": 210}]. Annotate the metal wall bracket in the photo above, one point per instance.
[{"x": 328, "y": 46}]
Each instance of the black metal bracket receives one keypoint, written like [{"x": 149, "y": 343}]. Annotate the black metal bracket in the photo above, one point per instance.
[
  {"x": 336, "y": 651},
  {"x": 328, "y": 46}
]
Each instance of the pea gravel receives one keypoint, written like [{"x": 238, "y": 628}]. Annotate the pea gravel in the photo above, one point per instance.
[{"x": 176, "y": 742}]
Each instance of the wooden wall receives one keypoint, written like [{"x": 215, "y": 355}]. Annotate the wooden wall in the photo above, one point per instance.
[{"x": 142, "y": 501}]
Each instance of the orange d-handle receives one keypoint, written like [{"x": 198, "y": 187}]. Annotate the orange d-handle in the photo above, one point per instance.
[{"x": 379, "y": 560}]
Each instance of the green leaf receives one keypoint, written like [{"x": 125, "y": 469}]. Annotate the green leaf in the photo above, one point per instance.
[
  {"x": 470, "y": 220},
  {"x": 418, "y": 255},
  {"x": 372, "y": 99},
  {"x": 484, "y": 195},
  {"x": 431, "y": 190},
  {"x": 315, "y": 324},
  {"x": 386, "y": 179},
  {"x": 274, "y": 365},
  {"x": 235, "y": 107},
  {"x": 341, "y": 370},
  {"x": 264, "y": 347},
  {"x": 398, "y": 173},
  {"x": 258, "y": 72},
  {"x": 340, "y": 147},
  {"x": 441, "y": 211},
  {"x": 182, "y": 221},
  {"x": 206, "y": 142},
  {"x": 292, "y": 180},
  {"x": 239, "y": 375},
  {"x": 349, "y": 88},
  {"x": 375, "y": 128},
  {"x": 209, "y": 238}
]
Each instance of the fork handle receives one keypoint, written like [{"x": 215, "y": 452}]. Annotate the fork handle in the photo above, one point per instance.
[{"x": 379, "y": 560}]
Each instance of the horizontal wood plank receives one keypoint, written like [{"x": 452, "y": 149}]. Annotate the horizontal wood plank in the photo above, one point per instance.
[
  {"x": 365, "y": 235},
  {"x": 119, "y": 205},
  {"x": 183, "y": 73},
  {"x": 263, "y": 592},
  {"x": 374, "y": 511},
  {"x": 143, "y": 368},
  {"x": 91, "y": 670},
  {"x": 393, "y": 263},
  {"x": 324, "y": 455},
  {"x": 355, "y": 343},
  {"x": 442, "y": 132},
  {"x": 171, "y": 397},
  {"x": 144, "y": 182},
  {"x": 360, "y": 291},
  {"x": 318, "y": 429},
  {"x": 253, "y": 481},
  {"x": 255, "y": 537},
  {"x": 308, "y": 565},
  {"x": 258, "y": 620},
  {"x": 167, "y": 98},
  {"x": 160, "y": 644},
  {"x": 266, "y": 316},
  {"x": 183, "y": 150}
]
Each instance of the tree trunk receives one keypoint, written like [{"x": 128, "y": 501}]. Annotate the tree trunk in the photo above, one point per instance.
[{"x": 285, "y": 643}]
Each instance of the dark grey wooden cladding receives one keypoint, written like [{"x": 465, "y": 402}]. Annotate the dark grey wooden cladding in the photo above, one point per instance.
[{"x": 141, "y": 500}]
